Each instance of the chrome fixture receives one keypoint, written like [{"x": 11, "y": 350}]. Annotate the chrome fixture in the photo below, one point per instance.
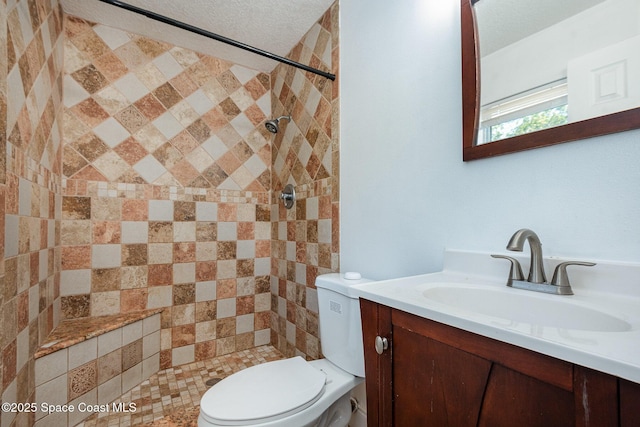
[
  {"x": 272, "y": 125},
  {"x": 288, "y": 196},
  {"x": 536, "y": 269},
  {"x": 537, "y": 280}
]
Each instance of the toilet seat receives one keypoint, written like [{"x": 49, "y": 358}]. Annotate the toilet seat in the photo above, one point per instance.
[{"x": 262, "y": 393}]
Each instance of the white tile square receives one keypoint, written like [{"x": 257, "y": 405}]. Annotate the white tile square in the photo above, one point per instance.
[
  {"x": 11, "y": 235},
  {"x": 109, "y": 342},
  {"x": 53, "y": 419},
  {"x": 110, "y": 390},
  {"x": 215, "y": 147},
  {"x": 184, "y": 272},
  {"x": 242, "y": 124},
  {"x": 34, "y": 303},
  {"x": 50, "y": 366},
  {"x": 244, "y": 323},
  {"x": 50, "y": 392},
  {"x": 73, "y": 92},
  {"x": 150, "y": 366},
  {"x": 200, "y": 102},
  {"x": 89, "y": 399},
  {"x": 183, "y": 355},
  {"x": 112, "y": 37},
  {"x": 206, "y": 211},
  {"x": 111, "y": 132},
  {"x": 43, "y": 265},
  {"x": 24, "y": 197},
  {"x": 149, "y": 168},
  {"x": 135, "y": 232},
  {"x": 167, "y": 65},
  {"x": 151, "y": 344},
  {"x": 131, "y": 332},
  {"x": 151, "y": 324},
  {"x": 75, "y": 282},
  {"x": 160, "y": 210},
  {"x": 312, "y": 208},
  {"x": 243, "y": 74},
  {"x": 106, "y": 256},
  {"x": 255, "y": 166},
  {"x": 131, "y": 377},
  {"x": 83, "y": 352},
  {"x": 131, "y": 87},
  {"x": 227, "y": 231},
  {"x": 226, "y": 308},
  {"x": 324, "y": 231},
  {"x": 246, "y": 249},
  {"x": 262, "y": 337},
  {"x": 168, "y": 125},
  {"x": 205, "y": 291}
]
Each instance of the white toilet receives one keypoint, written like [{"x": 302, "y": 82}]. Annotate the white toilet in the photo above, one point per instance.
[{"x": 293, "y": 392}]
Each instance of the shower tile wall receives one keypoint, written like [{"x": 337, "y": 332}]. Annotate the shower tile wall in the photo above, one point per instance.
[
  {"x": 305, "y": 154},
  {"x": 166, "y": 190},
  {"x": 31, "y": 59}
]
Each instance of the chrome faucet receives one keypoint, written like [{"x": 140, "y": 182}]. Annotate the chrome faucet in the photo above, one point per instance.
[{"x": 537, "y": 280}]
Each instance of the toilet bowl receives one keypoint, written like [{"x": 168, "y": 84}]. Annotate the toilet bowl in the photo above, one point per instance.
[{"x": 294, "y": 392}]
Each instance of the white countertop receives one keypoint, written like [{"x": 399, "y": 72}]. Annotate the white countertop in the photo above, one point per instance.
[{"x": 609, "y": 287}]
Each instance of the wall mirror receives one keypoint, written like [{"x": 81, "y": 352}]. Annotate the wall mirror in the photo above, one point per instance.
[{"x": 544, "y": 72}]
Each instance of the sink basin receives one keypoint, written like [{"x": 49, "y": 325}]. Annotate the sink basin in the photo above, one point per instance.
[{"x": 526, "y": 307}]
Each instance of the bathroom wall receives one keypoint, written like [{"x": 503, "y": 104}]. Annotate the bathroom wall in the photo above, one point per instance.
[
  {"x": 305, "y": 154},
  {"x": 31, "y": 59},
  {"x": 166, "y": 190},
  {"x": 406, "y": 194}
]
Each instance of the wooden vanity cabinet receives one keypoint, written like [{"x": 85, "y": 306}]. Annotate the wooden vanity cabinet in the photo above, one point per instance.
[{"x": 432, "y": 374}]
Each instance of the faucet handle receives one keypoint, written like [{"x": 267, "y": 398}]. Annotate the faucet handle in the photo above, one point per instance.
[
  {"x": 515, "y": 273},
  {"x": 560, "y": 276}
]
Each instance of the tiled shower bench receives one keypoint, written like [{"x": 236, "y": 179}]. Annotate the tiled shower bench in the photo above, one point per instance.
[{"x": 92, "y": 361}]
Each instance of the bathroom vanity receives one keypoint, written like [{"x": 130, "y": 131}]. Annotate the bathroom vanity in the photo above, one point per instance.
[
  {"x": 435, "y": 362},
  {"x": 436, "y": 375}
]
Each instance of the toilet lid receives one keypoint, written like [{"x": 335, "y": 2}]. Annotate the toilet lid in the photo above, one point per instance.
[{"x": 265, "y": 392}]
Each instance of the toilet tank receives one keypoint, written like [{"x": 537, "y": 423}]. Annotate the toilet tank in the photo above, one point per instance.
[{"x": 340, "y": 324}]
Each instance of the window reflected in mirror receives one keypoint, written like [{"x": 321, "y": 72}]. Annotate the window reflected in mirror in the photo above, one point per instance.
[{"x": 548, "y": 68}]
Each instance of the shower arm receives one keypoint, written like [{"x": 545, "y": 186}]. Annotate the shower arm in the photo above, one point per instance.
[{"x": 218, "y": 37}]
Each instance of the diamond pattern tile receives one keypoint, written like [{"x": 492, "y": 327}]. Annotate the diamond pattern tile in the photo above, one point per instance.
[{"x": 159, "y": 114}]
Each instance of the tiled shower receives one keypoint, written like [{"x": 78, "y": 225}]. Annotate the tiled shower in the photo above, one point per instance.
[{"x": 139, "y": 175}]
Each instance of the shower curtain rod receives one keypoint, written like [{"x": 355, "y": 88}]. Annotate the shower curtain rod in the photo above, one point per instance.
[{"x": 218, "y": 37}]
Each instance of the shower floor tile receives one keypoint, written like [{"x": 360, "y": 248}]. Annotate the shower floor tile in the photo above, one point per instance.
[{"x": 171, "y": 397}]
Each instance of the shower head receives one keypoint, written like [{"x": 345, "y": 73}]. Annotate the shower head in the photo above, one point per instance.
[{"x": 272, "y": 125}]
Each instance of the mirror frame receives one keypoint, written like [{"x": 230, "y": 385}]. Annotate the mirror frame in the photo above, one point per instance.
[{"x": 611, "y": 123}]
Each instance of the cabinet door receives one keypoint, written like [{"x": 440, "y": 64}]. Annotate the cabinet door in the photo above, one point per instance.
[
  {"x": 376, "y": 321},
  {"x": 629, "y": 404},
  {"x": 435, "y": 384},
  {"x": 443, "y": 376}
]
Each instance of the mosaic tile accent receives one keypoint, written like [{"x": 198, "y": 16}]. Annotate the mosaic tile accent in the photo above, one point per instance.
[
  {"x": 82, "y": 379},
  {"x": 142, "y": 111},
  {"x": 198, "y": 260},
  {"x": 305, "y": 238},
  {"x": 31, "y": 61},
  {"x": 114, "y": 355},
  {"x": 172, "y": 396}
]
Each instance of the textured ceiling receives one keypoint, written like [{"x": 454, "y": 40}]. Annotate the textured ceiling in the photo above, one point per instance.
[{"x": 271, "y": 25}]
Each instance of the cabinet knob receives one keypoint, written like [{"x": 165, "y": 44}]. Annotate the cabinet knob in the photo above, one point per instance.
[{"x": 381, "y": 344}]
